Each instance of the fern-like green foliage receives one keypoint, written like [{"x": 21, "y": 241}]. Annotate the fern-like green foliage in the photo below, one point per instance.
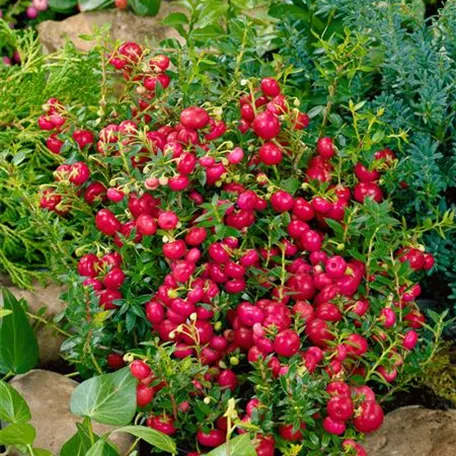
[{"x": 24, "y": 161}]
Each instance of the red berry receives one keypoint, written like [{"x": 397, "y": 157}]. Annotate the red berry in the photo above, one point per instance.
[
  {"x": 325, "y": 147},
  {"x": 365, "y": 190},
  {"x": 287, "y": 343},
  {"x": 79, "y": 173},
  {"x": 334, "y": 426},
  {"x": 282, "y": 201},
  {"x": 370, "y": 417},
  {"x": 54, "y": 144},
  {"x": 270, "y": 154},
  {"x": 146, "y": 225},
  {"x": 194, "y": 118},
  {"x": 83, "y": 138},
  {"x": 168, "y": 220},
  {"x": 162, "y": 423},
  {"x": 340, "y": 408},
  {"x": 144, "y": 395},
  {"x": 114, "y": 279},
  {"x": 140, "y": 370},
  {"x": 115, "y": 361},
  {"x": 364, "y": 175},
  {"x": 270, "y": 87},
  {"x": 287, "y": 432},
  {"x": 266, "y": 126},
  {"x": 107, "y": 222},
  {"x": 211, "y": 439},
  {"x": 228, "y": 379}
]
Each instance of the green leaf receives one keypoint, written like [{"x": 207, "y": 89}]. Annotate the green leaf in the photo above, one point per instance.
[
  {"x": 13, "y": 408},
  {"x": 291, "y": 184},
  {"x": 102, "y": 448},
  {"x": 211, "y": 13},
  {"x": 145, "y": 7},
  {"x": 62, "y": 6},
  {"x": 79, "y": 444},
  {"x": 90, "y": 5},
  {"x": 18, "y": 434},
  {"x": 18, "y": 346},
  {"x": 239, "y": 446},
  {"x": 174, "y": 19},
  {"x": 41, "y": 452},
  {"x": 107, "y": 399},
  {"x": 151, "y": 436},
  {"x": 4, "y": 312},
  {"x": 289, "y": 12}
]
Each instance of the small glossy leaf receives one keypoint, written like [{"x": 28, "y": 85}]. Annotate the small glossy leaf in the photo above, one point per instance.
[
  {"x": 62, "y": 6},
  {"x": 211, "y": 13},
  {"x": 175, "y": 19},
  {"x": 18, "y": 434},
  {"x": 90, "y": 5},
  {"x": 107, "y": 399},
  {"x": 18, "y": 346},
  {"x": 145, "y": 7},
  {"x": 239, "y": 446},
  {"x": 155, "y": 438},
  {"x": 13, "y": 408}
]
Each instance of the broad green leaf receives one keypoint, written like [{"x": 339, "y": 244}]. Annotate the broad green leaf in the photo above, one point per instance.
[
  {"x": 18, "y": 434},
  {"x": 13, "y": 408},
  {"x": 239, "y": 446},
  {"x": 175, "y": 19},
  {"x": 90, "y": 5},
  {"x": 151, "y": 436},
  {"x": 62, "y": 6},
  {"x": 107, "y": 399},
  {"x": 41, "y": 452},
  {"x": 79, "y": 444},
  {"x": 102, "y": 448},
  {"x": 145, "y": 7},
  {"x": 18, "y": 346}
]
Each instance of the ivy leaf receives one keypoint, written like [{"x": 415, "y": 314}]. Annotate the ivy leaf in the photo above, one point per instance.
[
  {"x": 239, "y": 446},
  {"x": 107, "y": 399},
  {"x": 18, "y": 434},
  {"x": 18, "y": 346},
  {"x": 13, "y": 408},
  {"x": 151, "y": 436}
]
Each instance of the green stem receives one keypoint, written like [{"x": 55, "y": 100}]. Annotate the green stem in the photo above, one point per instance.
[{"x": 48, "y": 323}]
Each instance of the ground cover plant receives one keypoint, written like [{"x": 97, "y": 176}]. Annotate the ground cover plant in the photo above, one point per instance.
[
  {"x": 242, "y": 221},
  {"x": 232, "y": 252}
]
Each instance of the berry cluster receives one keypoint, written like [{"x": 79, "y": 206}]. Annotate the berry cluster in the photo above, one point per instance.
[{"x": 253, "y": 281}]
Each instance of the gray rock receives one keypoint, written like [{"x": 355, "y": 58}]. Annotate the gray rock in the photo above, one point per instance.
[
  {"x": 125, "y": 26},
  {"x": 49, "y": 339},
  {"x": 415, "y": 431},
  {"x": 48, "y": 395}
]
